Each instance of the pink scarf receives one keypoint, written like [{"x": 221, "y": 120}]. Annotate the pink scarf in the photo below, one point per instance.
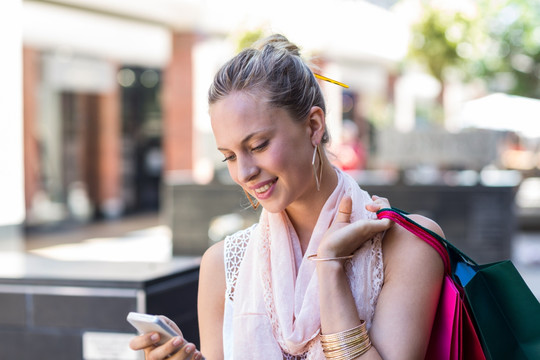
[{"x": 276, "y": 302}]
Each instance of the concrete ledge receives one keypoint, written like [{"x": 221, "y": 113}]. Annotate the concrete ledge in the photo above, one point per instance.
[{"x": 49, "y": 305}]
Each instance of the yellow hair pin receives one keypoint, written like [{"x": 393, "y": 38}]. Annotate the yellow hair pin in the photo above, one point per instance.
[{"x": 331, "y": 81}]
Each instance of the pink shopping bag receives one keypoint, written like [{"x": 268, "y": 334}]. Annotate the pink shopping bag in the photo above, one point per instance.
[{"x": 453, "y": 336}]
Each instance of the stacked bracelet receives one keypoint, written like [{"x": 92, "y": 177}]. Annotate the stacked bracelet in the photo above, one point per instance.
[{"x": 346, "y": 345}]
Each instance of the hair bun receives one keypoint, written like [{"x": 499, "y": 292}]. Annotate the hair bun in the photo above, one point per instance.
[{"x": 278, "y": 42}]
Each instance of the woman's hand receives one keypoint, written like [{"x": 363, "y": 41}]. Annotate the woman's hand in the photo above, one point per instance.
[
  {"x": 343, "y": 237},
  {"x": 176, "y": 348}
]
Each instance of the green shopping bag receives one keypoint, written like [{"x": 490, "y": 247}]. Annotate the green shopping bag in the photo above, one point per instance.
[{"x": 505, "y": 312}]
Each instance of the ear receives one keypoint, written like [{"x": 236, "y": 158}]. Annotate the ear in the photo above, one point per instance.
[{"x": 316, "y": 125}]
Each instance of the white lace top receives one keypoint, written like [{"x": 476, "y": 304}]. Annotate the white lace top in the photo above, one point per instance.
[{"x": 364, "y": 272}]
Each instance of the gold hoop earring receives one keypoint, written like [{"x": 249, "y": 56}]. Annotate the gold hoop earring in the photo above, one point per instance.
[
  {"x": 318, "y": 178},
  {"x": 254, "y": 205}
]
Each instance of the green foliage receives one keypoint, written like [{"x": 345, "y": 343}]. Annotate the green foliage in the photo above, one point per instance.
[
  {"x": 248, "y": 38},
  {"x": 499, "y": 41},
  {"x": 441, "y": 40},
  {"x": 513, "y": 27}
]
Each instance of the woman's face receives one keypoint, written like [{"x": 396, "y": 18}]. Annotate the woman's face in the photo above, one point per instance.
[{"x": 267, "y": 152}]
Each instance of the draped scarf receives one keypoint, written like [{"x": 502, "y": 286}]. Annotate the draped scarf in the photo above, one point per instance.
[{"x": 276, "y": 302}]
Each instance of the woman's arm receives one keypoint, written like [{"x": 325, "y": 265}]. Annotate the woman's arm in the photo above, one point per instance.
[
  {"x": 406, "y": 306},
  {"x": 211, "y": 302},
  {"x": 413, "y": 274}
]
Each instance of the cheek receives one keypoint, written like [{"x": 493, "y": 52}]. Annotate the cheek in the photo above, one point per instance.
[
  {"x": 232, "y": 172},
  {"x": 290, "y": 159},
  {"x": 276, "y": 159}
]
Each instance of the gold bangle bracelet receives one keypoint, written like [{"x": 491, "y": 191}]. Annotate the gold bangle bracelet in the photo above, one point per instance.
[
  {"x": 340, "y": 345},
  {"x": 346, "y": 339},
  {"x": 315, "y": 258},
  {"x": 346, "y": 345},
  {"x": 349, "y": 355},
  {"x": 356, "y": 338},
  {"x": 344, "y": 334},
  {"x": 355, "y": 344}
]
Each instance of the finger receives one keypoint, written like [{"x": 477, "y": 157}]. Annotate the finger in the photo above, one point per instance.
[
  {"x": 188, "y": 351},
  {"x": 345, "y": 210},
  {"x": 382, "y": 224},
  {"x": 377, "y": 203},
  {"x": 143, "y": 341},
  {"x": 371, "y": 227},
  {"x": 175, "y": 345}
]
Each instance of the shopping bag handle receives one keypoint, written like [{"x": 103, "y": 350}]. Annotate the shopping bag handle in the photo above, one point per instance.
[{"x": 440, "y": 244}]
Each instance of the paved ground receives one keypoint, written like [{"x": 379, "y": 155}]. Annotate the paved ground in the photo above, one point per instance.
[
  {"x": 143, "y": 237},
  {"x": 100, "y": 229}
]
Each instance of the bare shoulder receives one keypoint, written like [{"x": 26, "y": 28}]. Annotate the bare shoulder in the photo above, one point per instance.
[
  {"x": 214, "y": 253},
  {"x": 413, "y": 274},
  {"x": 212, "y": 283},
  {"x": 404, "y": 251},
  {"x": 212, "y": 261}
]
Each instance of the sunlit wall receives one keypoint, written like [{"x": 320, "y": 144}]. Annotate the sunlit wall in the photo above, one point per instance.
[{"x": 11, "y": 144}]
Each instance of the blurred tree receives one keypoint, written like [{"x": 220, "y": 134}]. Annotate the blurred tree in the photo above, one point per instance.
[
  {"x": 437, "y": 38},
  {"x": 443, "y": 41},
  {"x": 248, "y": 38},
  {"x": 512, "y": 62},
  {"x": 498, "y": 40}
]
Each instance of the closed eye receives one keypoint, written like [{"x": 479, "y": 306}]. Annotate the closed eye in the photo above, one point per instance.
[
  {"x": 257, "y": 148},
  {"x": 229, "y": 158},
  {"x": 260, "y": 147}
]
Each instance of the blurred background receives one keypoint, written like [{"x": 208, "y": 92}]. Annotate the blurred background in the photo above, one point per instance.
[{"x": 107, "y": 154}]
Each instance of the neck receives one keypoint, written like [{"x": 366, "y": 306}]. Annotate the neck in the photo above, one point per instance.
[{"x": 304, "y": 214}]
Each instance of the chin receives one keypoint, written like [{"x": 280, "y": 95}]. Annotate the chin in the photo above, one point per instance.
[{"x": 273, "y": 208}]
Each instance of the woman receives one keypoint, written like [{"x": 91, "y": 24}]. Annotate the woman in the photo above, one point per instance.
[{"x": 319, "y": 275}]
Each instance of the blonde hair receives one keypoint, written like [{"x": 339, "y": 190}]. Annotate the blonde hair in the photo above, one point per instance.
[{"x": 274, "y": 68}]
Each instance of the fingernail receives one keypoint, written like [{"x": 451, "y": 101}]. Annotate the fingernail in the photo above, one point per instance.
[
  {"x": 177, "y": 341},
  {"x": 189, "y": 349},
  {"x": 154, "y": 337}
]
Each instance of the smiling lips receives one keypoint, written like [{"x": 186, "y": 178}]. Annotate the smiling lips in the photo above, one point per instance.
[{"x": 262, "y": 190}]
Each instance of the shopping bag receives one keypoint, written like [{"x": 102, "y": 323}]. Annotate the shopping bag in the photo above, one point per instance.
[
  {"x": 453, "y": 336},
  {"x": 445, "y": 334},
  {"x": 504, "y": 309},
  {"x": 505, "y": 312}
]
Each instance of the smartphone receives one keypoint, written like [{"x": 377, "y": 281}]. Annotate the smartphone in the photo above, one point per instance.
[{"x": 145, "y": 323}]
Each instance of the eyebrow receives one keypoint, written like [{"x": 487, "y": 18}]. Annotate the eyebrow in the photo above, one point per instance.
[{"x": 249, "y": 137}]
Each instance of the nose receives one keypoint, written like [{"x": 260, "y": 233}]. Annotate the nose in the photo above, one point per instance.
[{"x": 247, "y": 169}]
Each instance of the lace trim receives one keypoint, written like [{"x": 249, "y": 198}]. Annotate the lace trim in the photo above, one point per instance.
[
  {"x": 294, "y": 357},
  {"x": 235, "y": 248},
  {"x": 377, "y": 277},
  {"x": 268, "y": 292}
]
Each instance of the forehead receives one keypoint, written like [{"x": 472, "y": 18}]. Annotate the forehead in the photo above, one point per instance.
[
  {"x": 238, "y": 105},
  {"x": 240, "y": 114}
]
